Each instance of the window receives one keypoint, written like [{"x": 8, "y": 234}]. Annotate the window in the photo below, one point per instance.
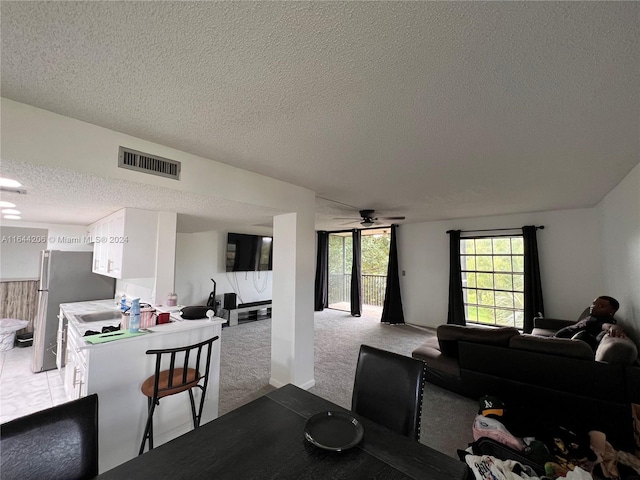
[{"x": 493, "y": 280}]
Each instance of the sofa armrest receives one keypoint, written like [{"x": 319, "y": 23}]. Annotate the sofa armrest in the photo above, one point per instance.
[
  {"x": 564, "y": 347},
  {"x": 554, "y": 324},
  {"x": 617, "y": 350},
  {"x": 429, "y": 353}
]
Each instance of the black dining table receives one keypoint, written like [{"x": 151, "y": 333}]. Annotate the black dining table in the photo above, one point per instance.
[{"x": 265, "y": 439}]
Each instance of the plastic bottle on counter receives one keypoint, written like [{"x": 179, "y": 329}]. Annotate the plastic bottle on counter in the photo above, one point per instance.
[
  {"x": 123, "y": 303},
  {"x": 172, "y": 300},
  {"x": 134, "y": 316}
]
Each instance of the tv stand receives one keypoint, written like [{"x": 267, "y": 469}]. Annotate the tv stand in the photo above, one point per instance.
[{"x": 249, "y": 312}]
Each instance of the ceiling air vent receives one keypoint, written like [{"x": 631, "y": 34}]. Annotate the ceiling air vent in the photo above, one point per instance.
[{"x": 143, "y": 162}]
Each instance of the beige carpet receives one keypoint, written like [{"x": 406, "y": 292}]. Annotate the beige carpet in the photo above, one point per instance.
[{"x": 245, "y": 370}]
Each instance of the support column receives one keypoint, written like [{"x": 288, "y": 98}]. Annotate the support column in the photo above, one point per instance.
[
  {"x": 165, "y": 257},
  {"x": 292, "y": 314}
]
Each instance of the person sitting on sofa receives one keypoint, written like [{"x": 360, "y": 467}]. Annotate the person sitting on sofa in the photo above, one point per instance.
[{"x": 600, "y": 319}]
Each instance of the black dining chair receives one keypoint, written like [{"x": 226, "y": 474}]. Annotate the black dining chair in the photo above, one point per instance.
[
  {"x": 388, "y": 389},
  {"x": 179, "y": 375},
  {"x": 57, "y": 443}
]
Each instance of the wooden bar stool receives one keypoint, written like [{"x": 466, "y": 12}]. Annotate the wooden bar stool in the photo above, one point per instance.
[{"x": 177, "y": 378}]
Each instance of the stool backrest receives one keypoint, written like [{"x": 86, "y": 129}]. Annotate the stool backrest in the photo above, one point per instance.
[
  {"x": 388, "y": 389},
  {"x": 178, "y": 364},
  {"x": 57, "y": 443}
]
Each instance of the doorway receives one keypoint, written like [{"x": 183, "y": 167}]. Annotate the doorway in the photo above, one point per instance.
[{"x": 374, "y": 261}]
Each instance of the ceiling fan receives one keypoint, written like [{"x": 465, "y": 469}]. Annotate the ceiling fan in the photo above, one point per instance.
[{"x": 368, "y": 219}]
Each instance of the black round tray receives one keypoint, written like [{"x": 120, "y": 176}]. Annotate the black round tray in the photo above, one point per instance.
[{"x": 334, "y": 431}]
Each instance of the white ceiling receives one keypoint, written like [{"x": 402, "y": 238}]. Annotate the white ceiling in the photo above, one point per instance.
[{"x": 432, "y": 110}]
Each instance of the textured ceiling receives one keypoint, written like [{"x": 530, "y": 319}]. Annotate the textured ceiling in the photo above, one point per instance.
[
  {"x": 432, "y": 110},
  {"x": 80, "y": 198}
]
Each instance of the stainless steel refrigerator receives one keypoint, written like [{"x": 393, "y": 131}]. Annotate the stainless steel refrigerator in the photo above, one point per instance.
[{"x": 64, "y": 277}]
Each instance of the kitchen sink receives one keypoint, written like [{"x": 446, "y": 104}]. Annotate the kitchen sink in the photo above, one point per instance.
[{"x": 105, "y": 316}]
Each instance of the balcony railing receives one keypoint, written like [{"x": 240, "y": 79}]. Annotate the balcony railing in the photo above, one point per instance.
[{"x": 373, "y": 288}]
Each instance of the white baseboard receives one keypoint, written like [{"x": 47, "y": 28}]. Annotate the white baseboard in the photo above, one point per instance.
[
  {"x": 304, "y": 386},
  {"x": 276, "y": 383},
  {"x": 308, "y": 385}
]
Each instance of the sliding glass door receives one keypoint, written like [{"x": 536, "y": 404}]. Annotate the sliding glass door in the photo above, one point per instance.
[
  {"x": 340, "y": 259},
  {"x": 374, "y": 260}
]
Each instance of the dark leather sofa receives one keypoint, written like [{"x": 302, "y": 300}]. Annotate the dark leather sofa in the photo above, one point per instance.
[{"x": 549, "y": 380}]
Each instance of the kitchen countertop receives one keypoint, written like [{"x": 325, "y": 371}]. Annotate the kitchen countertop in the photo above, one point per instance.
[
  {"x": 115, "y": 370},
  {"x": 73, "y": 310}
]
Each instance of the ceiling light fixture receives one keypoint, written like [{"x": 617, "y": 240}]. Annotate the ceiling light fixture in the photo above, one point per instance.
[
  {"x": 366, "y": 223},
  {"x": 11, "y": 211},
  {"x": 4, "y": 204},
  {"x": 7, "y": 182},
  {"x": 11, "y": 186},
  {"x": 12, "y": 217}
]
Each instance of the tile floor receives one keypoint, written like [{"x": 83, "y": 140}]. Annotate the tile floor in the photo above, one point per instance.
[{"x": 22, "y": 391}]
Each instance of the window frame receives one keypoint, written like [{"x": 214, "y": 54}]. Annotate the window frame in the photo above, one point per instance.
[{"x": 516, "y": 294}]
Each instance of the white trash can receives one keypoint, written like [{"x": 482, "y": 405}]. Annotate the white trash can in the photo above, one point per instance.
[{"x": 8, "y": 329}]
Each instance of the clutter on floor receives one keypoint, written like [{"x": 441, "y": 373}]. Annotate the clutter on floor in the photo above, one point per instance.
[{"x": 502, "y": 449}]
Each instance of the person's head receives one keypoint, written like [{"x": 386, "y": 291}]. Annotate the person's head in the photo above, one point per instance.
[{"x": 604, "y": 306}]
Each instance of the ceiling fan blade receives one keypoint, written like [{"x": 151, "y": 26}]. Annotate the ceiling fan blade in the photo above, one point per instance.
[
  {"x": 349, "y": 223},
  {"x": 345, "y": 218},
  {"x": 391, "y": 218}
]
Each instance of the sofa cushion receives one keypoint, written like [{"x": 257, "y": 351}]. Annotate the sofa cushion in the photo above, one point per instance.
[
  {"x": 428, "y": 347},
  {"x": 429, "y": 352},
  {"x": 547, "y": 327},
  {"x": 450, "y": 335},
  {"x": 554, "y": 346},
  {"x": 616, "y": 350},
  {"x": 543, "y": 332}
]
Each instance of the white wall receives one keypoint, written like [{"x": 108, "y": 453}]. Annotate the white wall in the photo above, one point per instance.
[
  {"x": 142, "y": 288},
  {"x": 291, "y": 358},
  {"x": 570, "y": 262},
  {"x": 69, "y": 237},
  {"x": 165, "y": 257},
  {"x": 22, "y": 261},
  {"x": 20, "y": 252},
  {"x": 72, "y": 238},
  {"x": 620, "y": 228},
  {"x": 200, "y": 257}
]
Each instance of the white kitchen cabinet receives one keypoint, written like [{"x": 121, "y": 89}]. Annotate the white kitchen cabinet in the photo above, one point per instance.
[
  {"x": 75, "y": 370},
  {"x": 91, "y": 233},
  {"x": 100, "y": 248},
  {"x": 61, "y": 342},
  {"x": 125, "y": 244}
]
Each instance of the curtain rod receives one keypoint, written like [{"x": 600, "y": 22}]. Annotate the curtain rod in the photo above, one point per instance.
[{"x": 541, "y": 227}]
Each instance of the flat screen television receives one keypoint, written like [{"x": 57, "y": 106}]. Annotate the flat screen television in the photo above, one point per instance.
[{"x": 248, "y": 253}]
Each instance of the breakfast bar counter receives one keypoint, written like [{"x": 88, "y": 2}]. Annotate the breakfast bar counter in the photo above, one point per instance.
[{"x": 116, "y": 369}]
